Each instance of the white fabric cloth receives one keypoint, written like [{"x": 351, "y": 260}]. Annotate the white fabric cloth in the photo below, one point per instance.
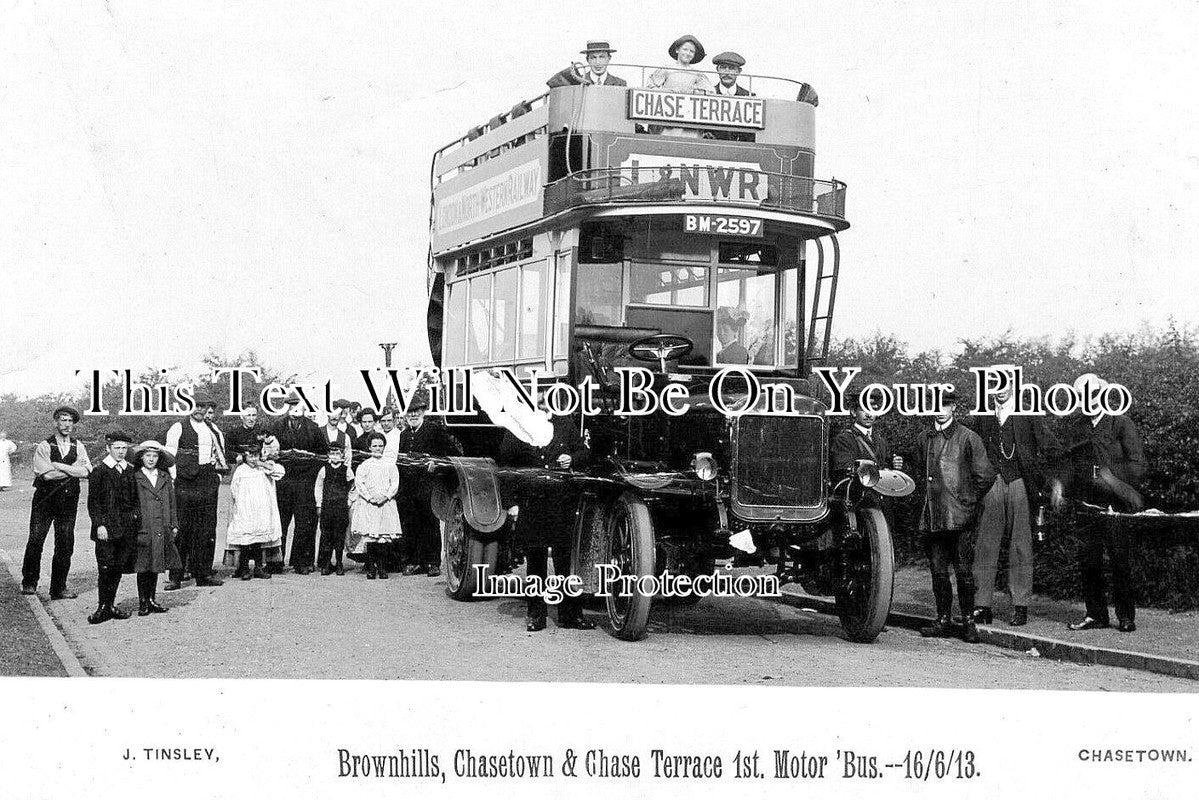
[
  {"x": 255, "y": 515},
  {"x": 375, "y": 479}
]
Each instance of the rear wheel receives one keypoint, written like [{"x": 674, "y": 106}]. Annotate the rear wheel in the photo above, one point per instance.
[
  {"x": 864, "y": 597},
  {"x": 463, "y": 551},
  {"x": 629, "y": 546}
]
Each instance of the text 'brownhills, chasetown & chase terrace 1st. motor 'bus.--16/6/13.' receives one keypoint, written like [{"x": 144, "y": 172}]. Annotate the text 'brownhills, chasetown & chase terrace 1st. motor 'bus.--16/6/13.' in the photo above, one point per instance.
[{"x": 597, "y": 227}]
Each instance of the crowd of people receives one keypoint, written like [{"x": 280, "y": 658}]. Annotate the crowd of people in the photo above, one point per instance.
[
  {"x": 153, "y": 506},
  {"x": 980, "y": 481}
]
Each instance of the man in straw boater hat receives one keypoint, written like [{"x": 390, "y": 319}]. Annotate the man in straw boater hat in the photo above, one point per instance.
[
  {"x": 1023, "y": 450},
  {"x": 295, "y": 490},
  {"x": 598, "y": 53},
  {"x": 1104, "y": 463},
  {"x": 956, "y": 475},
  {"x": 58, "y": 464},
  {"x": 112, "y": 504},
  {"x": 199, "y": 449}
]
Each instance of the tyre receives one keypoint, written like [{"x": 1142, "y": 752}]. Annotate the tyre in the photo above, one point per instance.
[
  {"x": 629, "y": 546},
  {"x": 463, "y": 550},
  {"x": 864, "y": 598}
]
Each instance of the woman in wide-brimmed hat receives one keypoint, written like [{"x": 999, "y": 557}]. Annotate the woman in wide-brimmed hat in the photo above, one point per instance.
[
  {"x": 682, "y": 76},
  {"x": 159, "y": 523}
]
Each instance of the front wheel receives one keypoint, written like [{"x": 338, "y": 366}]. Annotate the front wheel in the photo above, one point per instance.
[
  {"x": 463, "y": 550},
  {"x": 629, "y": 546},
  {"x": 864, "y": 597}
]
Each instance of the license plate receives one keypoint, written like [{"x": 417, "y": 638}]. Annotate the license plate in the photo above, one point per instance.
[{"x": 722, "y": 225}]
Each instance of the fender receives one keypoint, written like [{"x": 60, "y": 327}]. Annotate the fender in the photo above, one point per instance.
[{"x": 478, "y": 491}]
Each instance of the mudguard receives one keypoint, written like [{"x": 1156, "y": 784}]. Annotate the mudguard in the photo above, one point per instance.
[{"x": 478, "y": 491}]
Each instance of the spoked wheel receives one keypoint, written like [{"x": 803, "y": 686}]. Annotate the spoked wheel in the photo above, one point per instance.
[
  {"x": 462, "y": 552},
  {"x": 630, "y": 548},
  {"x": 864, "y": 598}
]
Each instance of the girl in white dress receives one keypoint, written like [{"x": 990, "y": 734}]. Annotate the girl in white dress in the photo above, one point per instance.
[
  {"x": 254, "y": 529},
  {"x": 7, "y": 448},
  {"x": 682, "y": 76},
  {"x": 374, "y": 519}
]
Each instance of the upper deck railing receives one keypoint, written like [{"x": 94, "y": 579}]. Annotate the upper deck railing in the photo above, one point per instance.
[{"x": 748, "y": 188}]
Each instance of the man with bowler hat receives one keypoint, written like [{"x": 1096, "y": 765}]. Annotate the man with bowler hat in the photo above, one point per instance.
[
  {"x": 113, "y": 505},
  {"x": 199, "y": 448},
  {"x": 598, "y": 54},
  {"x": 1020, "y": 447},
  {"x": 295, "y": 490},
  {"x": 58, "y": 464},
  {"x": 1104, "y": 462}
]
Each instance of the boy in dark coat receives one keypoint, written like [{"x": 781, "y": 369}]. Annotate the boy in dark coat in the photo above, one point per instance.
[
  {"x": 956, "y": 475},
  {"x": 112, "y": 504}
]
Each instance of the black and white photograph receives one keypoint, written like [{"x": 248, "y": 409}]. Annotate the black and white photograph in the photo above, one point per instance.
[{"x": 532, "y": 399}]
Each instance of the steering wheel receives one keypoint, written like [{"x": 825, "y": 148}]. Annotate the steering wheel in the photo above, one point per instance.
[{"x": 661, "y": 347}]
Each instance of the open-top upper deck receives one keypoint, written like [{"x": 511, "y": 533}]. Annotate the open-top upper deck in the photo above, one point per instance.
[{"x": 581, "y": 150}]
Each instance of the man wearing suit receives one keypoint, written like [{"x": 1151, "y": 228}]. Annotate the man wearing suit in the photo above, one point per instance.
[
  {"x": 598, "y": 54},
  {"x": 113, "y": 506},
  {"x": 422, "y": 531},
  {"x": 1104, "y": 461},
  {"x": 728, "y": 67},
  {"x": 295, "y": 490},
  {"x": 544, "y": 521},
  {"x": 1019, "y": 447}
]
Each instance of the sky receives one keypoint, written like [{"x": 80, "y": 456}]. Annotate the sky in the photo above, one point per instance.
[{"x": 177, "y": 177}]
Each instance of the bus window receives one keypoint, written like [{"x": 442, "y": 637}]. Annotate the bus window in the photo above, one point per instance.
[
  {"x": 503, "y": 317},
  {"x": 478, "y": 320},
  {"x": 598, "y": 298},
  {"x": 745, "y": 316},
  {"x": 562, "y": 306},
  {"x": 790, "y": 325},
  {"x": 455, "y": 337},
  {"x": 668, "y": 284},
  {"x": 532, "y": 310}
]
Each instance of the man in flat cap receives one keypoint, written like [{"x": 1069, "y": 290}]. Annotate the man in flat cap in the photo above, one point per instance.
[
  {"x": 58, "y": 464},
  {"x": 113, "y": 506},
  {"x": 728, "y": 67},
  {"x": 199, "y": 448},
  {"x": 957, "y": 475},
  {"x": 599, "y": 54},
  {"x": 295, "y": 490}
]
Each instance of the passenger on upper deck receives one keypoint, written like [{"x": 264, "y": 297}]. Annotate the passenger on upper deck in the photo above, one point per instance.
[
  {"x": 682, "y": 76},
  {"x": 728, "y": 66},
  {"x": 598, "y": 54}
]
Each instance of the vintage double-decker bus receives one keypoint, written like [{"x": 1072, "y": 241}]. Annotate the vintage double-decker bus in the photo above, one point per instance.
[{"x": 596, "y": 227}]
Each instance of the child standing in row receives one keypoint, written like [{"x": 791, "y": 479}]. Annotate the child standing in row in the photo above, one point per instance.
[
  {"x": 254, "y": 529},
  {"x": 333, "y": 484},
  {"x": 374, "y": 519}
]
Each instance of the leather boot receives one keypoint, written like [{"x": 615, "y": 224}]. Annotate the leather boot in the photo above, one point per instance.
[
  {"x": 1019, "y": 616},
  {"x": 969, "y": 631}
]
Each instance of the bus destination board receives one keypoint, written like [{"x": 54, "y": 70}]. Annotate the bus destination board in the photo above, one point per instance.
[{"x": 696, "y": 109}]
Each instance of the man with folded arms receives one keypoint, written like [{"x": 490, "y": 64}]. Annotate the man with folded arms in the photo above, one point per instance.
[{"x": 58, "y": 464}]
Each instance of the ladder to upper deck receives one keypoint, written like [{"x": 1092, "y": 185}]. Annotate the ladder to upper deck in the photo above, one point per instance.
[{"x": 824, "y": 296}]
